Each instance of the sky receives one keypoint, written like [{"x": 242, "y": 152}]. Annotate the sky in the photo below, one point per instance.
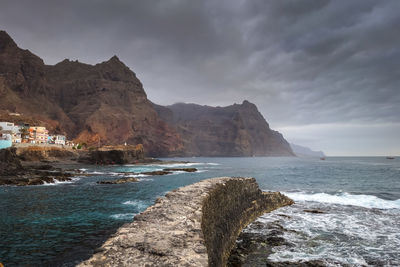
[{"x": 324, "y": 73}]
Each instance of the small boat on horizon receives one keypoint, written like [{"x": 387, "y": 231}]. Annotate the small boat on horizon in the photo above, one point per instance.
[
  {"x": 389, "y": 157},
  {"x": 322, "y": 158}
]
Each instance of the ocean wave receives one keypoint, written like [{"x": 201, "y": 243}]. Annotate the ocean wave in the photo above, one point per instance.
[
  {"x": 366, "y": 201},
  {"x": 139, "y": 204},
  {"x": 139, "y": 175},
  {"x": 123, "y": 216},
  {"x": 173, "y": 165},
  {"x": 340, "y": 235},
  {"x": 146, "y": 179},
  {"x": 56, "y": 182}
]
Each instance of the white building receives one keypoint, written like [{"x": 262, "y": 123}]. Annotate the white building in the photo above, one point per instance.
[
  {"x": 57, "y": 139},
  {"x": 12, "y": 129}
]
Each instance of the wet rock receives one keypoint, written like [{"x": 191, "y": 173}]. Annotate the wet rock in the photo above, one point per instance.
[
  {"x": 156, "y": 173},
  {"x": 314, "y": 211},
  {"x": 120, "y": 181},
  {"x": 313, "y": 263},
  {"x": 181, "y": 169},
  {"x": 254, "y": 246}
]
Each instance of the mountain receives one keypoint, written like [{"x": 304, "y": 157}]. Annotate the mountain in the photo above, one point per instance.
[
  {"x": 105, "y": 104},
  {"x": 236, "y": 130},
  {"x": 303, "y": 151}
]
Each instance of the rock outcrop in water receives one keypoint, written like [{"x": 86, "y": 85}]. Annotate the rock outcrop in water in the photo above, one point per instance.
[
  {"x": 106, "y": 104},
  {"x": 12, "y": 172},
  {"x": 195, "y": 225}
]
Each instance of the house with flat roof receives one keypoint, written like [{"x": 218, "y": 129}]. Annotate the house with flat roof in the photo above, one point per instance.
[
  {"x": 38, "y": 135},
  {"x": 57, "y": 139},
  {"x": 12, "y": 129}
]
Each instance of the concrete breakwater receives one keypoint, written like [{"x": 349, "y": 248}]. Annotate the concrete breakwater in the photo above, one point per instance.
[{"x": 195, "y": 225}]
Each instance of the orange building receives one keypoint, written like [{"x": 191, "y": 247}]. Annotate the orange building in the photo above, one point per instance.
[{"x": 38, "y": 135}]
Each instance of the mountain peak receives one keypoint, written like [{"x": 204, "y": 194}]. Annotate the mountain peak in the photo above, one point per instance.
[
  {"x": 114, "y": 58},
  {"x": 248, "y": 105},
  {"x": 6, "y": 40}
]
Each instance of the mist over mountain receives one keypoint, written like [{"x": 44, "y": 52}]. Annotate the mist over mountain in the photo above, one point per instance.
[{"x": 302, "y": 151}]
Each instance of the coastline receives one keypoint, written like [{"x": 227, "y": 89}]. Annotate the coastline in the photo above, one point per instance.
[{"x": 38, "y": 165}]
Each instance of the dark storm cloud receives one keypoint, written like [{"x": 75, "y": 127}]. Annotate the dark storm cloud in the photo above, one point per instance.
[{"x": 301, "y": 62}]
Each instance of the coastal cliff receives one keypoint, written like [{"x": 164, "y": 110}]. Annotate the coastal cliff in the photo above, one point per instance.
[
  {"x": 106, "y": 104},
  {"x": 195, "y": 225},
  {"x": 235, "y": 130}
]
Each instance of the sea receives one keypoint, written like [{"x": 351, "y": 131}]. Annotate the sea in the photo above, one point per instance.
[{"x": 357, "y": 199}]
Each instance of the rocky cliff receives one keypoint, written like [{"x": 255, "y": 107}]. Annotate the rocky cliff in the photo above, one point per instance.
[
  {"x": 105, "y": 104},
  {"x": 236, "y": 130},
  {"x": 99, "y": 104},
  {"x": 196, "y": 225}
]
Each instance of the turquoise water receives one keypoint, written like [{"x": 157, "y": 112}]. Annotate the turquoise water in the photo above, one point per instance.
[{"x": 59, "y": 225}]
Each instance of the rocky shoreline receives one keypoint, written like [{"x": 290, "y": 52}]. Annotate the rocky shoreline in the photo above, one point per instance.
[
  {"x": 195, "y": 225},
  {"x": 37, "y": 165},
  {"x": 253, "y": 248}
]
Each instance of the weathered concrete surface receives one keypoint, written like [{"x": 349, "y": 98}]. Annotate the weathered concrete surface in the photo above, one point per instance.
[{"x": 195, "y": 225}]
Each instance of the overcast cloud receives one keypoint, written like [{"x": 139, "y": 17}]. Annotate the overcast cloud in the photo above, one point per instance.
[{"x": 325, "y": 73}]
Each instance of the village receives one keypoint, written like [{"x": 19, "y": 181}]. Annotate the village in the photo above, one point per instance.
[{"x": 23, "y": 134}]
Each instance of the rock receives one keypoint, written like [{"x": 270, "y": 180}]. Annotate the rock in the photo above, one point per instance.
[
  {"x": 314, "y": 211},
  {"x": 45, "y": 153},
  {"x": 311, "y": 263},
  {"x": 181, "y": 169},
  {"x": 112, "y": 155},
  {"x": 9, "y": 162},
  {"x": 120, "y": 181},
  {"x": 254, "y": 246},
  {"x": 13, "y": 173},
  {"x": 156, "y": 173},
  {"x": 195, "y": 225}
]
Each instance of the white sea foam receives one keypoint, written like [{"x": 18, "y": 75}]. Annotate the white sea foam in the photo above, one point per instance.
[
  {"x": 136, "y": 175},
  {"x": 123, "y": 216},
  {"x": 146, "y": 179},
  {"x": 174, "y": 165},
  {"x": 340, "y": 235},
  {"x": 140, "y": 204},
  {"x": 366, "y": 201},
  {"x": 56, "y": 182}
]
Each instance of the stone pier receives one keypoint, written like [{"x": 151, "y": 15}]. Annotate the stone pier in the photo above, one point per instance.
[{"x": 195, "y": 225}]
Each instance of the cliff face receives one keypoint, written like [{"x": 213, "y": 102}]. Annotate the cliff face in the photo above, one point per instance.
[
  {"x": 236, "y": 130},
  {"x": 104, "y": 103},
  {"x": 195, "y": 225}
]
